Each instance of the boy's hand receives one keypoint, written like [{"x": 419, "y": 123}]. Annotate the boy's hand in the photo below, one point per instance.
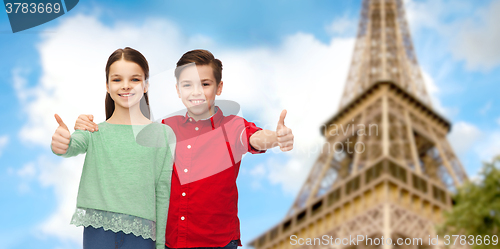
[
  {"x": 86, "y": 122},
  {"x": 61, "y": 138},
  {"x": 284, "y": 134}
]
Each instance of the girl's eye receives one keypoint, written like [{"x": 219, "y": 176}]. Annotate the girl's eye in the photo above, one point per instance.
[
  {"x": 116, "y": 80},
  {"x": 136, "y": 80}
]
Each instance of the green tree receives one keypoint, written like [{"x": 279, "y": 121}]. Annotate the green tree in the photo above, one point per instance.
[{"x": 477, "y": 208}]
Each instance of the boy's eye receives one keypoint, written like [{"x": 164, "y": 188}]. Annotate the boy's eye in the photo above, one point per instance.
[
  {"x": 186, "y": 85},
  {"x": 206, "y": 84}
]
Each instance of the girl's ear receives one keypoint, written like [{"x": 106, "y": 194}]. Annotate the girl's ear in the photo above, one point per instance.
[
  {"x": 146, "y": 86},
  {"x": 107, "y": 88}
]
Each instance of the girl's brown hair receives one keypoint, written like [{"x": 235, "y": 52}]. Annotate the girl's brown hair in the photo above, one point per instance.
[{"x": 132, "y": 55}]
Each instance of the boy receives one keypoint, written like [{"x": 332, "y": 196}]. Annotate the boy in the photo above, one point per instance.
[{"x": 204, "y": 197}]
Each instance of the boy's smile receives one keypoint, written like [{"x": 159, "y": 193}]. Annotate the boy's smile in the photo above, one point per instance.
[
  {"x": 197, "y": 101},
  {"x": 197, "y": 89}
]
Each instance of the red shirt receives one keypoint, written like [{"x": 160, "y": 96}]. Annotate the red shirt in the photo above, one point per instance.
[{"x": 203, "y": 209}]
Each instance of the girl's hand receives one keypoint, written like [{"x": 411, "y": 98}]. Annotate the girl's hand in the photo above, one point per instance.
[
  {"x": 86, "y": 122},
  {"x": 61, "y": 138}
]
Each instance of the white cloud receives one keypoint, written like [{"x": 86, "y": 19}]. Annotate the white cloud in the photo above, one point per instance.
[
  {"x": 490, "y": 147},
  {"x": 498, "y": 121},
  {"x": 258, "y": 170},
  {"x": 470, "y": 36},
  {"x": 433, "y": 91},
  {"x": 478, "y": 38},
  {"x": 466, "y": 138},
  {"x": 258, "y": 173},
  {"x": 343, "y": 26},
  {"x": 4, "y": 140},
  {"x": 26, "y": 173},
  {"x": 64, "y": 177},
  {"x": 434, "y": 14},
  {"x": 463, "y": 137},
  {"x": 290, "y": 175}
]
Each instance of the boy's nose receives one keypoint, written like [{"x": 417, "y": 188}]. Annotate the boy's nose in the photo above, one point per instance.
[{"x": 197, "y": 90}]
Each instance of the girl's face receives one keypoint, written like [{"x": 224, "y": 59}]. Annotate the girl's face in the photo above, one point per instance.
[{"x": 126, "y": 83}]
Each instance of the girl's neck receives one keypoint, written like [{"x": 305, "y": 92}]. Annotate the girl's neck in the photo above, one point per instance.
[{"x": 128, "y": 116}]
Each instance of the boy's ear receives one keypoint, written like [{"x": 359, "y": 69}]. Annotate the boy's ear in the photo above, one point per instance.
[
  {"x": 177, "y": 88},
  {"x": 219, "y": 88}
]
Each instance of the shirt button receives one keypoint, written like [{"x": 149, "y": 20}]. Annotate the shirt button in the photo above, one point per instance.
[
  {"x": 190, "y": 119},
  {"x": 189, "y": 146},
  {"x": 196, "y": 128},
  {"x": 186, "y": 170},
  {"x": 183, "y": 193},
  {"x": 183, "y": 218}
]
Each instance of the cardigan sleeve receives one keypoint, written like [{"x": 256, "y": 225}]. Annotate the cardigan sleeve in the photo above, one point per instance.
[
  {"x": 163, "y": 188},
  {"x": 78, "y": 144}
]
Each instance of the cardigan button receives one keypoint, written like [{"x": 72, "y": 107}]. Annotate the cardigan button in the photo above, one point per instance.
[{"x": 183, "y": 218}]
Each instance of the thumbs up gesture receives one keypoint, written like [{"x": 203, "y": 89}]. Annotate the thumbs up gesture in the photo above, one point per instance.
[
  {"x": 61, "y": 138},
  {"x": 284, "y": 134}
]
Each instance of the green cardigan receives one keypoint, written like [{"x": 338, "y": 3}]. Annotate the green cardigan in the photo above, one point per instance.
[{"x": 127, "y": 170}]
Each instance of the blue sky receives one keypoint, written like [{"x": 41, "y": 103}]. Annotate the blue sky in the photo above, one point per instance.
[{"x": 276, "y": 54}]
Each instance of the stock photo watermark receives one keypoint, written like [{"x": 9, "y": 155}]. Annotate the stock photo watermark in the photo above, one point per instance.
[
  {"x": 350, "y": 145},
  {"x": 369, "y": 241},
  {"x": 26, "y": 14}
]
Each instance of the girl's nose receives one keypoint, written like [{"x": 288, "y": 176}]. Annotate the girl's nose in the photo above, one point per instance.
[{"x": 126, "y": 84}]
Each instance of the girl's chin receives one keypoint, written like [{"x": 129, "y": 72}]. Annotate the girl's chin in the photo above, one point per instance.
[{"x": 128, "y": 104}]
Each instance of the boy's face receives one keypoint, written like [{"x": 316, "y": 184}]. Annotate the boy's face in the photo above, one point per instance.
[{"x": 197, "y": 89}]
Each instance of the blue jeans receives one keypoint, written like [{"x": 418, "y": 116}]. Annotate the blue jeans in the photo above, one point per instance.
[
  {"x": 99, "y": 239},
  {"x": 233, "y": 244}
]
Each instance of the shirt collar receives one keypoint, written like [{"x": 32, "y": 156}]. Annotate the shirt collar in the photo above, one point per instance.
[{"x": 217, "y": 115}]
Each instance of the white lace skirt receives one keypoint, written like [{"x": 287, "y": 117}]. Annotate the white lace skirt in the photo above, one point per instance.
[{"x": 115, "y": 222}]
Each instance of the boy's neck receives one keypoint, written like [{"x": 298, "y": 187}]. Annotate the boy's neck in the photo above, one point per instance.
[
  {"x": 211, "y": 111},
  {"x": 128, "y": 116}
]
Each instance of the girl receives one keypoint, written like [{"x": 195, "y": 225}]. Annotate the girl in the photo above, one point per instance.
[{"x": 125, "y": 184}]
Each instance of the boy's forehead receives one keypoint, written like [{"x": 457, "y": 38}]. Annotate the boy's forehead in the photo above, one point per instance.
[{"x": 193, "y": 72}]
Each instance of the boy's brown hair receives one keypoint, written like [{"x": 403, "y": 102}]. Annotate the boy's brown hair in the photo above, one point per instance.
[{"x": 200, "y": 57}]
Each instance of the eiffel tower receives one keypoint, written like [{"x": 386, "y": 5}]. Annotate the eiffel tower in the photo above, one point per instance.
[{"x": 386, "y": 168}]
